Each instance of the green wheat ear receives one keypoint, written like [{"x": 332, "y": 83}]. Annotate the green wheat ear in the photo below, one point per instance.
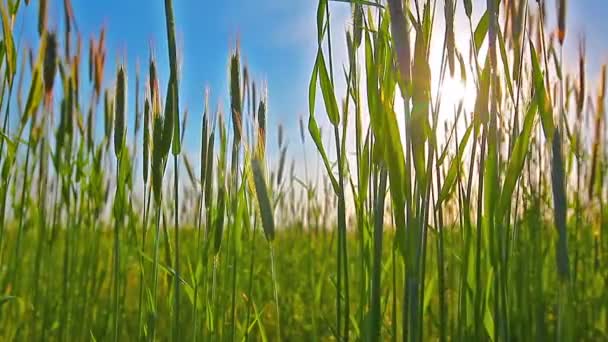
[
  {"x": 153, "y": 83},
  {"x": 236, "y": 106},
  {"x": 219, "y": 219},
  {"x": 204, "y": 143},
  {"x": 50, "y": 62},
  {"x": 120, "y": 111},
  {"x": 263, "y": 199},
  {"x": 42, "y": 16},
  {"x": 262, "y": 128},
  {"x": 108, "y": 116},
  {"x": 146, "y": 141},
  {"x": 169, "y": 120},
  {"x": 158, "y": 157},
  {"x": 561, "y": 21},
  {"x": 560, "y": 204},
  {"x": 399, "y": 32}
]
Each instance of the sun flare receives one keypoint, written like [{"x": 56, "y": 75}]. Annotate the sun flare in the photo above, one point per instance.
[{"x": 453, "y": 92}]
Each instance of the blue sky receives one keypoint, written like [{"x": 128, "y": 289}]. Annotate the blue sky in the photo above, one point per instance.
[{"x": 277, "y": 39}]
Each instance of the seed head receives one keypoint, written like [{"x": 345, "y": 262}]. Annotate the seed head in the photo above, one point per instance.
[
  {"x": 449, "y": 31},
  {"x": 253, "y": 100},
  {"x": 219, "y": 220},
  {"x": 108, "y": 116},
  {"x": 357, "y": 24},
  {"x": 61, "y": 129},
  {"x": 50, "y": 63},
  {"x": 599, "y": 115},
  {"x": 280, "y": 135},
  {"x": 169, "y": 120},
  {"x": 468, "y": 8},
  {"x": 244, "y": 86},
  {"x": 91, "y": 59},
  {"x": 561, "y": 21},
  {"x": 560, "y": 207},
  {"x": 204, "y": 140},
  {"x": 69, "y": 108},
  {"x": 263, "y": 200},
  {"x": 235, "y": 95},
  {"x": 99, "y": 62},
  {"x": 42, "y": 15},
  {"x": 146, "y": 142},
  {"x": 137, "y": 112},
  {"x": 302, "y": 130},
  {"x": 209, "y": 169},
  {"x": 120, "y": 111},
  {"x": 154, "y": 85},
  {"x": 281, "y": 166},
  {"x": 90, "y": 130},
  {"x": 157, "y": 158},
  {"x": 262, "y": 127},
  {"x": 400, "y": 35},
  {"x": 580, "y": 93}
]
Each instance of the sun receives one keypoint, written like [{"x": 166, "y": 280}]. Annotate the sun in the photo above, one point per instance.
[{"x": 454, "y": 91}]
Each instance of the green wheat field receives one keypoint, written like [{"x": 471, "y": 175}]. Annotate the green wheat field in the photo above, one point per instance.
[{"x": 426, "y": 223}]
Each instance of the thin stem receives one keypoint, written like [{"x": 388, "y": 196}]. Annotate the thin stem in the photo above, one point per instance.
[
  {"x": 276, "y": 290},
  {"x": 155, "y": 274},
  {"x": 176, "y": 222}
]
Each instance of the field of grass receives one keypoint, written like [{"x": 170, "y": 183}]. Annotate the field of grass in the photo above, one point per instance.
[{"x": 483, "y": 224}]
